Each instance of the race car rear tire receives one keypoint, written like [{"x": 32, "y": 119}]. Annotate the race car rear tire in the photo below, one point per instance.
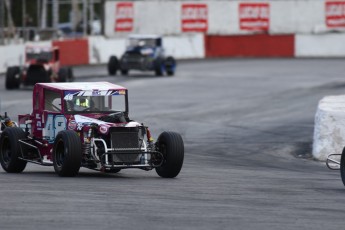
[
  {"x": 113, "y": 65},
  {"x": 63, "y": 75},
  {"x": 67, "y": 154},
  {"x": 12, "y": 77},
  {"x": 70, "y": 75},
  {"x": 342, "y": 166},
  {"x": 170, "y": 65},
  {"x": 170, "y": 144},
  {"x": 10, "y": 150}
]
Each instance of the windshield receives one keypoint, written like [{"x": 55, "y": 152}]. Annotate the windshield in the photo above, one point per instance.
[
  {"x": 146, "y": 42},
  {"x": 44, "y": 55},
  {"x": 81, "y": 102}
]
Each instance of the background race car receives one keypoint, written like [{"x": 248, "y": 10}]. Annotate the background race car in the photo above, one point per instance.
[
  {"x": 42, "y": 64},
  {"x": 145, "y": 53}
]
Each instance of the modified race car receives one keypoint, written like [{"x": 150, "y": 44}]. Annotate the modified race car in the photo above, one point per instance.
[
  {"x": 41, "y": 65},
  {"x": 83, "y": 124},
  {"x": 145, "y": 53}
]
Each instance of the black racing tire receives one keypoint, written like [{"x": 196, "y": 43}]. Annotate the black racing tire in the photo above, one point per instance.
[
  {"x": 63, "y": 75},
  {"x": 10, "y": 150},
  {"x": 12, "y": 77},
  {"x": 159, "y": 65},
  {"x": 170, "y": 65},
  {"x": 113, "y": 65},
  {"x": 342, "y": 166},
  {"x": 70, "y": 75},
  {"x": 67, "y": 153},
  {"x": 124, "y": 72},
  {"x": 170, "y": 144}
]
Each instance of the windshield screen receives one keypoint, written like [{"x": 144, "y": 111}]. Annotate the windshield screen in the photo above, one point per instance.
[
  {"x": 147, "y": 42},
  {"x": 41, "y": 55},
  {"x": 95, "y": 101}
]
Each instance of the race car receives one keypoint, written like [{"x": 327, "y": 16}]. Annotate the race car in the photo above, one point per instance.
[
  {"x": 83, "y": 124},
  {"x": 41, "y": 65},
  {"x": 145, "y": 53}
]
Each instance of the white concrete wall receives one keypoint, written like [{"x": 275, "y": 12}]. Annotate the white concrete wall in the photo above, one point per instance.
[
  {"x": 164, "y": 17},
  {"x": 329, "y": 128},
  {"x": 321, "y": 45},
  {"x": 11, "y": 55}
]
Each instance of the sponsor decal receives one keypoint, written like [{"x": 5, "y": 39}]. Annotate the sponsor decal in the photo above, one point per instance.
[
  {"x": 124, "y": 17},
  {"x": 72, "y": 125},
  {"x": 194, "y": 18},
  {"x": 103, "y": 129},
  {"x": 254, "y": 16},
  {"x": 335, "y": 14}
]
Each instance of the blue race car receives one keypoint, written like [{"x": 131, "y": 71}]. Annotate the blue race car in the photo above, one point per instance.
[{"x": 145, "y": 53}]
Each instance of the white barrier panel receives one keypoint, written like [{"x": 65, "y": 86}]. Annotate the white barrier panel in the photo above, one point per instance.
[
  {"x": 322, "y": 45},
  {"x": 329, "y": 128},
  {"x": 11, "y": 55},
  {"x": 185, "y": 46},
  {"x": 296, "y": 16},
  {"x": 100, "y": 49}
]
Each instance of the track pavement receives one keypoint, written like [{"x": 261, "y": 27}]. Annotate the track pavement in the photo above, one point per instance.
[{"x": 247, "y": 126}]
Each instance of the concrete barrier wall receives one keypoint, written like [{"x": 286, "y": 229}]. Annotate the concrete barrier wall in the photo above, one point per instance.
[
  {"x": 11, "y": 55},
  {"x": 223, "y": 17},
  {"x": 322, "y": 45},
  {"x": 259, "y": 45}
]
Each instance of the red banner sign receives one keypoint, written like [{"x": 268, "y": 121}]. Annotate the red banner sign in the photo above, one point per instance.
[
  {"x": 194, "y": 18},
  {"x": 254, "y": 16},
  {"x": 335, "y": 14},
  {"x": 124, "y": 17}
]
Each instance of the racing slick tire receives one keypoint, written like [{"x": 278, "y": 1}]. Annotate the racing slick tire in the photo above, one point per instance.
[
  {"x": 113, "y": 65},
  {"x": 170, "y": 65},
  {"x": 170, "y": 144},
  {"x": 342, "y": 166},
  {"x": 159, "y": 67},
  {"x": 67, "y": 154},
  {"x": 10, "y": 150},
  {"x": 70, "y": 75},
  {"x": 63, "y": 75},
  {"x": 12, "y": 77}
]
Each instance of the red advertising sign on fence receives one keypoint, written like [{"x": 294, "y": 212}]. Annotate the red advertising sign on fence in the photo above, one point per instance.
[
  {"x": 335, "y": 14},
  {"x": 124, "y": 17},
  {"x": 254, "y": 16},
  {"x": 194, "y": 18}
]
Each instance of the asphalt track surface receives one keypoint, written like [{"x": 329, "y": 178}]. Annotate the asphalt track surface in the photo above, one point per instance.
[{"x": 247, "y": 125}]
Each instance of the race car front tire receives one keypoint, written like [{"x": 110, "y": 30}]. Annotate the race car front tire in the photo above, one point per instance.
[
  {"x": 67, "y": 154},
  {"x": 113, "y": 65},
  {"x": 12, "y": 77},
  {"x": 170, "y": 144},
  {"x": 10, "y": 150}
]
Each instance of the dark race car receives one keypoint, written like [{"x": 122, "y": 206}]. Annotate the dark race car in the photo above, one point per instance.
[{"x": 145, "y": 53}]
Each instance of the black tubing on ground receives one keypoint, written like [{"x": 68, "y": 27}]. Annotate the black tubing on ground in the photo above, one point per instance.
[
  {"x": 113, "y": 65},
  {"x": 10, "y": 150},
  {"x": 172, "y": 147},
  {"x": 67, "y": 153},
  {"x": 11, "y": 81},
  {"x": 342, "y": 166}
]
